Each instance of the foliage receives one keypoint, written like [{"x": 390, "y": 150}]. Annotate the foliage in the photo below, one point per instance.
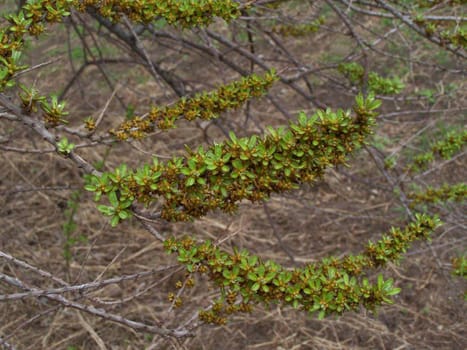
[
  {"x": 245, "y": 168},
  {"x": 460, "y": 266},
  {"x": 450, "y": 144},
  {"x": 299, "y": 29},
  {"x": 31, "y": 19},
  {"x": 376, "y": 83},
  {"x": 332, "y": 286},
  {"x": 64, "y": 146},
  {"x": 456, "y": 192},
  {"x": 204, "y": 106}
]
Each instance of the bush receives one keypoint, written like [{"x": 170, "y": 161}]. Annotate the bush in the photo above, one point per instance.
[{"x": 178, "y": 117}]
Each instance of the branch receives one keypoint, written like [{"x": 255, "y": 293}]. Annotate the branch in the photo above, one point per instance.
[
  {"x": 171, "y": 79},
  {"x": 80, "y": 287},
  {"x": 418, "y": 30},
  {"x": 40, "y": 129},
  {"x": 349, "y": 5},
  {"x": 138, "y": 326}
]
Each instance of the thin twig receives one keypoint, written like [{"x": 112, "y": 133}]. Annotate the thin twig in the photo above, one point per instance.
[
  {"x": 138, "y": 326},
  {"x": 81, "y": 287}
]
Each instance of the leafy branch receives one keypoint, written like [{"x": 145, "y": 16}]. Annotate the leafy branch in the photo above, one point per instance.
[
  {"x": 332, "y": 286},
  {"x": 242, "y": 168}
]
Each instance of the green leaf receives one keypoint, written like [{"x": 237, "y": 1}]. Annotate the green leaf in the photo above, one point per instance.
[
  {"x": 224, "y": 192},
  {"x": 380, "y": 282},
  {"x": 302, "y": 118},
  {"x": 314, "y": 308},
  {"x": 106, "y": 210},
  {"x": 190, "y": 181},
  {"x": 233, "y": 137},
  {"x": 393, "y": 291},
  {"x": 237, "y": 163},
  {"x": 91, "y": 188},
  {"x": 252, "y": 141},
  {"x": 252, "y": 276},
  {"x": 115, "y": 220},
  {"x": 113, "y": 199},
  {"x": 124, "y": 214}
]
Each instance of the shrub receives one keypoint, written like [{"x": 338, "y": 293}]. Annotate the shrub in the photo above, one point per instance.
[{"x": 251, "y": 165}]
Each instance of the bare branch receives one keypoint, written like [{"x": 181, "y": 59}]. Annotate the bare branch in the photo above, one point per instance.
[{"x": 139, "y": 326}]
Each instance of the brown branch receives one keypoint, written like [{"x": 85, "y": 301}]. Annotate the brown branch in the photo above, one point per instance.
[
  {"x": 40, "y": 129},
  {"x": 101, "y": 313},
  {"x": 80, "y": 287},
  {"x": 457, "y": 51},
  {"x": 171, "y": 79}
]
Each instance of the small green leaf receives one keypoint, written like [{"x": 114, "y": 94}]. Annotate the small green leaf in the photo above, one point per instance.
[
  {"x": 113, "y": 199},
  {"x": 91, "y": 188},
  {"x": 252, "y": 277},
  {"x": 115, "y": 220},
  {"x": 105, "y": 210},
  {"x": 393, "y": 291},
  {"x": 190, "y": 181},
  {"x": 124, "y": 214}
]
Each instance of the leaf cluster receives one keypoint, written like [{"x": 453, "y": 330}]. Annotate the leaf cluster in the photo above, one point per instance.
[
  {"x": 53, "y": 110},
  {"x": 35, "y": 14},
  {"x": 186, "y": 13},
  {"x": 332, "y": 286},
  {"x": 459, "y": 265},
  {"x": 64, "y": 146},
  {"x": 451, "y": 143},
  {"x": 456, "y": 192},
  {"x": 206, "y": 106},
  {"x": 448, "y": 32},
  {"x": 297, "y": 30},
  {"x": 376, "y": 83},
  {"x": 243, "y": 168},
  {"x": 31, "y": 19}
]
